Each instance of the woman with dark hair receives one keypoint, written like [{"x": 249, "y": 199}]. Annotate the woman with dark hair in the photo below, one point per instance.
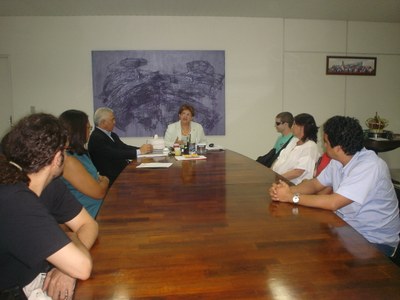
[
  {"x": 80, "y": 175},
  {"x": 179, "y": 132},
  {"x": 297, "y": 161},
  {"x": 32, "y": 205},
  {"x": 362, "y": 194}
]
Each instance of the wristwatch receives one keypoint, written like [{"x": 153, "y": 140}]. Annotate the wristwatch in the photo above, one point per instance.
[{"x": 296, "y": 198}]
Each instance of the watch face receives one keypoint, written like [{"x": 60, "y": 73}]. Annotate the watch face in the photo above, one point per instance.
[{"x": 296, "y": 198}]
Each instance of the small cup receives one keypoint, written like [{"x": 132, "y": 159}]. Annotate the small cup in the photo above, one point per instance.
[
  {"x": 177, "y": 149},
  {"x": 201, "y": 149}
]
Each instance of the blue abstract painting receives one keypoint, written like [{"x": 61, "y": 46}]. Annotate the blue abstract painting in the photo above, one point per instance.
[{"x": 146, "y": 88}]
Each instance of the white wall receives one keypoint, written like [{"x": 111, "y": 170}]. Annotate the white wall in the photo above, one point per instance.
[
  {"x": 271, "y": 65},
  {"x": 307, "y": 88},
  {"x": 5, "y": 95}
]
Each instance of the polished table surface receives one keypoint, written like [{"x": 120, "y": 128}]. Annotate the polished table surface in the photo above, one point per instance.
[{"x": 208, "y": 230}]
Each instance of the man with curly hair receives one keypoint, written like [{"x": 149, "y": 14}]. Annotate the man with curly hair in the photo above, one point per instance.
[
  {"x": 38, "y": 259},
  {"x": 363, "y": 193}
]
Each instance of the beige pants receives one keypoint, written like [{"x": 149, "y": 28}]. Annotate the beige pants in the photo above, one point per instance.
[{"x": 34, "y": 289}]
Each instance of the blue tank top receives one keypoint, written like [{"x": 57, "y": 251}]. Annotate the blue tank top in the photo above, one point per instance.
[{"x": 91, "y": 205}]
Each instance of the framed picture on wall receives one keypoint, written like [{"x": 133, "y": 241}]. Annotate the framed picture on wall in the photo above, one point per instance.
[
  {"x": 145, "y": 88},
  {"x": 351, "y": 65}
]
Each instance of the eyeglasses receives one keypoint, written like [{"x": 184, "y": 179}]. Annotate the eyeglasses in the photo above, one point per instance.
[{"x": 278, "y": 123}]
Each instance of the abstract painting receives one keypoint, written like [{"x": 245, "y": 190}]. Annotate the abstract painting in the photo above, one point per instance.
[{"x": 146, "y": 88}]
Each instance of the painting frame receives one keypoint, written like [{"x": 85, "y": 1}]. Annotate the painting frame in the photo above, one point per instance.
[
  {"x": 145, "y": 88},
  {"x": 351, "y": 65}
]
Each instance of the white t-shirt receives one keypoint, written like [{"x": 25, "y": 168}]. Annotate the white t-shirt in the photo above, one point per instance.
[{"x": 302, "y": 157}]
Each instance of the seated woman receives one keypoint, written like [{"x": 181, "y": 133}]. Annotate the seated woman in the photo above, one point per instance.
[
  {"x": 32, "y": 205},
  {"x": 180, "y": 131},
  {"x": 297, "y": 161},
  {"x": 80, "y": 175}
]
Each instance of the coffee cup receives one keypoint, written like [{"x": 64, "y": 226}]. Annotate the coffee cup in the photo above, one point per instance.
[{"x": 177, "y": 149}]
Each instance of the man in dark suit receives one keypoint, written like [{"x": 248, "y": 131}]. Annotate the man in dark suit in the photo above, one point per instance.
[{"x": 109, "y": 154}]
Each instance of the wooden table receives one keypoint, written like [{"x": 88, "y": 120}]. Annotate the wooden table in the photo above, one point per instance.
[{"x": 208, "y": 230}]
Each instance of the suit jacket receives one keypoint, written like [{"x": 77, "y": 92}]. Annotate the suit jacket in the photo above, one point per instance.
[{"x": 109, "y": 157}]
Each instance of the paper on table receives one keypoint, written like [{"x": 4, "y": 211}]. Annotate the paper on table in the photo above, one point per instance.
[
  {"x": 154, "y": 165},
  {"x": 190, "y": 158},
  {"x": 151, "y": 155}
]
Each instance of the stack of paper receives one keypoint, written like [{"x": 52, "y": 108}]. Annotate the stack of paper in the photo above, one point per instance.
[
  {"x": 151, "y": 155},
  {"x": 154, "y": 165},
  {"x": 190, "y": 157}
]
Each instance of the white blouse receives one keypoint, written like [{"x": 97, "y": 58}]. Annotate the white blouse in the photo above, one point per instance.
[
  {"x": 174, "y": 131},
  {"x": 295, "y": 156}
]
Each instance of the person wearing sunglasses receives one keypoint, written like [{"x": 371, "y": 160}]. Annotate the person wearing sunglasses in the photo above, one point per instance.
[
  {"x": 283, "y": 125},
  {"x": 363, "y": 193}
]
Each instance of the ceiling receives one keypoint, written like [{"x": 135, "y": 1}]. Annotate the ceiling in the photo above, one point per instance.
[{"x": 353, "y": 10}]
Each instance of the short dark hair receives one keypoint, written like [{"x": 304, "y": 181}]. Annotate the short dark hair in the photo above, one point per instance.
[
  {"x": 286, "y": 117},
  {"x": 30, "y": 145},
  {"x": 310, "y": 127},
  {"x": 75, "y": 122},
  {"x": 186, "y": 107},
  {"x": 345, "y": 132}
]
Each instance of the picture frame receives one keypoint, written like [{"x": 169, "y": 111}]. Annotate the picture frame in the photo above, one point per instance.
[
  {"x": 145, "y": 88},
  {"x": 351, "y": 65}
]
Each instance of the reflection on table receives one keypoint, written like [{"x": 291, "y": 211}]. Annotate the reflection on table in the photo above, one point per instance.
[{"x": 208, "y": 230}]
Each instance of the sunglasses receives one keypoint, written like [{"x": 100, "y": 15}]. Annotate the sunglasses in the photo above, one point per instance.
[{"x": 278, "y": 123}]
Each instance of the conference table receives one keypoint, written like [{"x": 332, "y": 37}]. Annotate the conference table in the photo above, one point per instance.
[{"x": 207, "y": 229}]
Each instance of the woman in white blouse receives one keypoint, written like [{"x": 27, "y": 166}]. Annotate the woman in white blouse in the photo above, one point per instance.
[
  {"x": 180, "y": 131},
  {"x": 297, "y": 161}
]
